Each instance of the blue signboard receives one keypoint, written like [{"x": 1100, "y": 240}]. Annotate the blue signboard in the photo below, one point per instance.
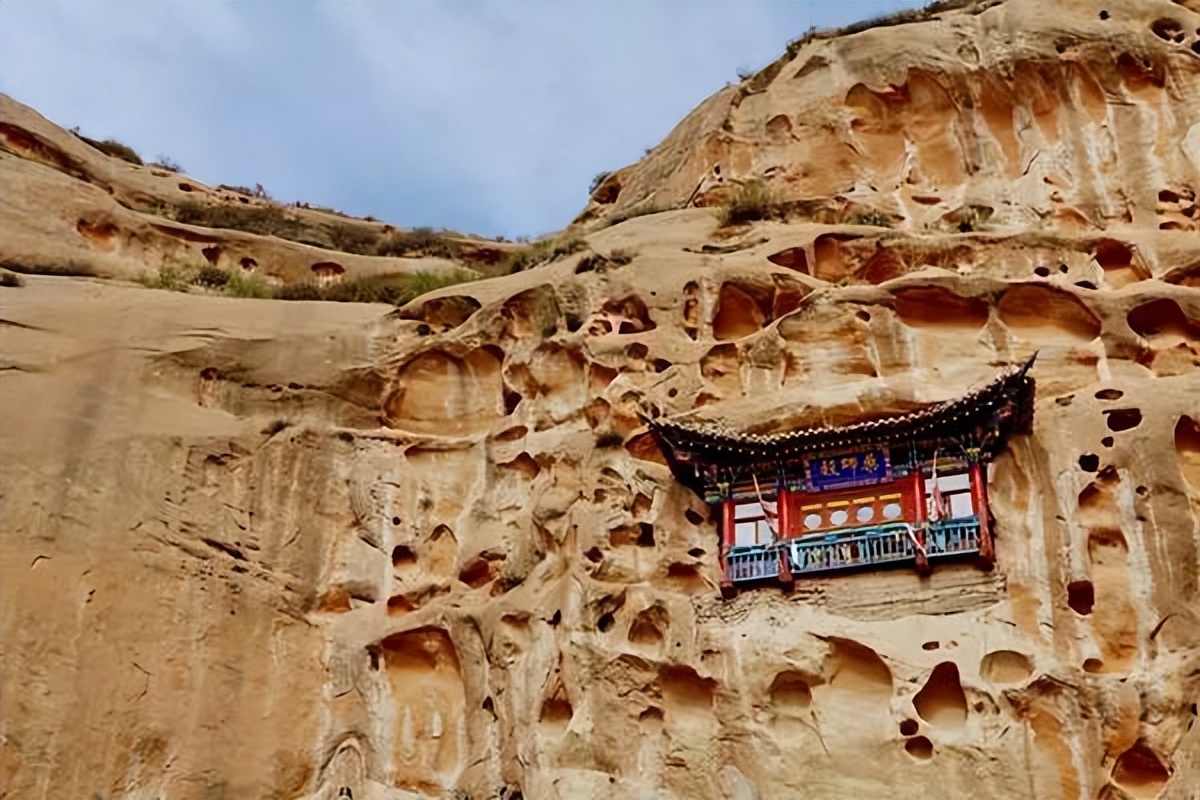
[{"x": 848, "y": 469}]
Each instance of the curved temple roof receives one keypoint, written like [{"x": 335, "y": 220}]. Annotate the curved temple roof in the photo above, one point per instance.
[{"x": 710, "y": 443}]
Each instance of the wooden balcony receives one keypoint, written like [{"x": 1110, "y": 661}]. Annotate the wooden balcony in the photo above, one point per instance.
[{"x": 854, "y": 549}]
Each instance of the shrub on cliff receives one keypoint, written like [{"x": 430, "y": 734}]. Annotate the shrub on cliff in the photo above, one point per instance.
[
  {"x": 751, "y": 201},
  {"x": 111, "y": 147}
]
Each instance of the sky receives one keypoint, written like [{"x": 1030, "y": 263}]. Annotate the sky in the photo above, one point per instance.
[{"x": 490, "y": 118}]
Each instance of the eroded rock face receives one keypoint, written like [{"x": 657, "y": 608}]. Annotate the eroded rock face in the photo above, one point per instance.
[{"x": 249, "y": 552}]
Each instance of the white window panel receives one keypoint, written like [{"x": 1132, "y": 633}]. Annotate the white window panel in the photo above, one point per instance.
[
  {"x": 748, "y": 511},
  {"x": 764, "y": 533},
  {"x": 949, "y": 483},
  {"x": 745, "y": 533},
  {"x": 960, "y": 505}
]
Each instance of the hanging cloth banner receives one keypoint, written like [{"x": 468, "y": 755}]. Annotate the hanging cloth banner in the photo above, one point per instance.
[{"x": 770, "y": 510}]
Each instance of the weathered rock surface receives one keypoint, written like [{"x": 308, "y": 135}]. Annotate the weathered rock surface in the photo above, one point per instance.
[{"x": 314, "y": 550}]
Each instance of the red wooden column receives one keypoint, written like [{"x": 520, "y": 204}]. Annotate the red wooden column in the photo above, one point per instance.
[
  {"x": 728, "y": 538},
  {"x": 783, "y": 501},
  {"x": 919, "y": 523},
  {"x": 987, "y": 550}
]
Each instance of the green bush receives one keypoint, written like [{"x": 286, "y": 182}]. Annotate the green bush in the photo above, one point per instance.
[
  {"x": 354, "y": 239},
  {"x": 242, "y": 285},
  {"x": 211, "y": 278},
  {"x": 264, "y": 219},
  {"x": 165, "y": 162},
  {"x": 111, "y": 147},
  {"x": 872, "y": 217},
  {"x": 170, "y": 277},
  {"x": 622, "y": 256},
  {"x": 752, "y": 200},
  {"x": 636, "y": 211},
  {"x": 417, "y": 242},
  {"x": 599, "y": 178},
  {"x": 299, "y": 291},
  {"x": 540, "y": 252}
]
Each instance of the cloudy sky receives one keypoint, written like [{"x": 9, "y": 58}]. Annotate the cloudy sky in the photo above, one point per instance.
[{"x": 482, "y": 117}]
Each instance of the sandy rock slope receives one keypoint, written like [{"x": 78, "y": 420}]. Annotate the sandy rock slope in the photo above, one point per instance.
[{"x": 266, "y": 549}]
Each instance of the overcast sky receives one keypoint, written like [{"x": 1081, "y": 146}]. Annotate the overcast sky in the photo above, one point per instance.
[{"x": 482, "y": 117}]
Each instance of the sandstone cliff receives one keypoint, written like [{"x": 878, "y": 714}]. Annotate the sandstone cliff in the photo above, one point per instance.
[{"x": 254, "y": 548}]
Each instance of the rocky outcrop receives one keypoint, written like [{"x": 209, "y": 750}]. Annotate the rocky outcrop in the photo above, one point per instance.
[{"x": 264, "y": 549}]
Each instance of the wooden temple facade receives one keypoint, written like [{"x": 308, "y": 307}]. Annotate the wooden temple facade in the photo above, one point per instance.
[{"x": 905, "y": 489}]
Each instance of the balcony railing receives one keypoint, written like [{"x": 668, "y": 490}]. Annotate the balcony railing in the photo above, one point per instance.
[{"x": 854, "y": 548}]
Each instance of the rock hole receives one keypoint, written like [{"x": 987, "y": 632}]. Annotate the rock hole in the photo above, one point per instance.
[
  {"x": 476, "y": 573},
  {"x": 792, "y": 258},
  {"x": 935, "y": 307},
  {"x": 858, "y": 672},
  {"x": 694, "y": 517},
  {"x": 212, "y": 254},
  {"x": 696, "y": 552},
  {"x": 672, "y": 392},
  {"x": 941, "y": 700},
  {"x": 1042, "y": 272},
  {"x": 1041, "y": 312},
  {"x": 685, "y": 692},
  {"x": 605, "y": 623},
  {"x": 1141, "y": 772},
  {"x": 594, "y": 555},
  {"x": 524, "y": 464},
  {"x": 1089, "y": 462},
  {"x": 1109, "y": 394},
  {"x": 1005, "y": 666},
  {"x": 1064, "y": 400},
  {"x": 648, "y": 626},
  {"x": 512, "y": 434},
  {"x": 909, "y": 727},
  {"x": 557, "y": 712},
  {"x": 186, "y": 187},
  {"x": 686, "y": 578},
  {"x": 400, "y": 604},
  {"x": 1162, "y": 317},
  {"x": 248, "y": 263},
  {"x": 402, "y": 555},
  {"x": 789, "y": 690},
  {"x": 1103, "y": 14},
  {"x": 644, "y": 447},
  {"x": 395, "y": 520},
  {"x": 919, "y": 747},
  {"x": 930, "y": 646},
  {"x": 555, "y": 619},
  {"x": 645, "y": 535},
  {"x": 1123, "y": 419},
  {"x": 742, "y": 310},
  {"x": 637, "y": 351},
  {"x": 1107, "y": 441}
]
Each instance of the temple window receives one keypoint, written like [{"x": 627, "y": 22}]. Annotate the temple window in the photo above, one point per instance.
[{"x": 752, "y": 526}]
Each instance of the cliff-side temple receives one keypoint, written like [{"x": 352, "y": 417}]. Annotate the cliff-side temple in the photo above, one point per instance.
[{"x": 903, "y": 489}]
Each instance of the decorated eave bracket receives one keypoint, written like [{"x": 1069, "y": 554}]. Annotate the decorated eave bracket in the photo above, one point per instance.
[{"x": 905, "y": 489}]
